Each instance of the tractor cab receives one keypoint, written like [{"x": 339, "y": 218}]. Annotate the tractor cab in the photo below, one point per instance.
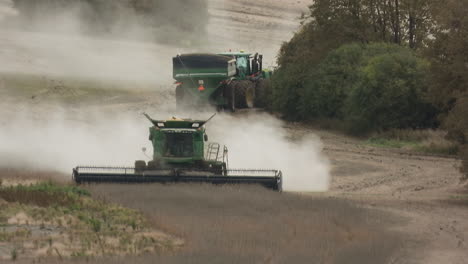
[{"x": 247, "y": 64}]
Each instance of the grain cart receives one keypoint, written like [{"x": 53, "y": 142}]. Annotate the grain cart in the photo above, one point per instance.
[
  {"x": 227, "y": 81},
  {"x": 181, "y": 153}
]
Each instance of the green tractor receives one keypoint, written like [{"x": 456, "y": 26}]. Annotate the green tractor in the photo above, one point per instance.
[
  {"x": 227, "y": 81},
  {"x": 181, "y": 153}
]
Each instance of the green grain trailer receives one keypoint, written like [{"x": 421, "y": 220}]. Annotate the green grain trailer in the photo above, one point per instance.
[{"x": 227, "y": 81}]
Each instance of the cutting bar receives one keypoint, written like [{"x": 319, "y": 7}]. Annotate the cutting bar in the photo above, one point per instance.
[{"x": 271, "y": 179}]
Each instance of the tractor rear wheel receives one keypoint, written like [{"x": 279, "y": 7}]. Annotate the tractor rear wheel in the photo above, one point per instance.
[
  {"x": 244, "y": 94},
  {"x": 230, "y": 98}
]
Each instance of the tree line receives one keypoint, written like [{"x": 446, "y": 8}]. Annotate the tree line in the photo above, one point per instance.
[{"x": 375, "y": 65}]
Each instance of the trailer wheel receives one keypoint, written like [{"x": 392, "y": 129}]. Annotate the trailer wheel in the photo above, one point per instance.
[{"x": 140, "y": 166}]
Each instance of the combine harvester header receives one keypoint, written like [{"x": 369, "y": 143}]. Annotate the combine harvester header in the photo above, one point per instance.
[{"x": 181, "y": 153}]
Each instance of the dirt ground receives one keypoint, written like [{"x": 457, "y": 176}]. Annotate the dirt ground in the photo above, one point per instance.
[
  {"x": 417, "y": 201},
  {"x": 383, "y": 206},
  {"x": 424, "y": 190}
]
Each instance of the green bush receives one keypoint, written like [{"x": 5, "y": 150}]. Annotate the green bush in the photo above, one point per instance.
[
  {"x": 329, "y": 84},
  {"x": 370, "y": 87},
  {"x": 456, "y": 123},
  {"x": 286, "y": 92},
  {"x": 390, "y": 93}
]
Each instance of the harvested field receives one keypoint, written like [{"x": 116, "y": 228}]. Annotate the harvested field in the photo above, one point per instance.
[{"x": 254, "y": 225}]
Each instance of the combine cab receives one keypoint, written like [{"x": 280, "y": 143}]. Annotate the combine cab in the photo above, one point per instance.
[
  {"x": 181, "y": 153},
  {"x": 227, "y": 81}
]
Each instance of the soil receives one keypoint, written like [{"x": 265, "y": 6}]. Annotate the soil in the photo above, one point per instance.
[{"x": 425, "y": 190}]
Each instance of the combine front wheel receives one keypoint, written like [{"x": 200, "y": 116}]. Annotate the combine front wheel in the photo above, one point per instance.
[{"x": 140, "y": 166}]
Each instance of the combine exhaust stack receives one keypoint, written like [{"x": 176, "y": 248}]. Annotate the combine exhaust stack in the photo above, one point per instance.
[{"x": 271, "y": 179}]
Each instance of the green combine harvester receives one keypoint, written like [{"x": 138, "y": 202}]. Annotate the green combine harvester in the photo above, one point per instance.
[
  {"x": 181, "y": 153},
  {"x": 228, "y": 81}
]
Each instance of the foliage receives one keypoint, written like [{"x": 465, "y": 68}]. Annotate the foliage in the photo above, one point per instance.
[
  {"x": 286, "y": 91},
  {"x": 457, "y": 120},
  {"x": 389, "y": 93},
  {"x": 309, "y": 55},
  {"x": 457, "y": 124},
  {"x": 449, "y": 65},
  {"x": 373, "y": 87},
  {"x": 317, "y": 74},
  {"x": 332, "y": 23},
  {"x": 447, "y": 52},
  {"x": 329, "y": 84}
]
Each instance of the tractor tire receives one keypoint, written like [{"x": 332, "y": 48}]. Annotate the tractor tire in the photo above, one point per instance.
[
  {"x": 228, "y": 93},
  {"x": 244, "y": 94},
  {"x": 262, "y": 90},
  {"x": 140, "y": 166}
]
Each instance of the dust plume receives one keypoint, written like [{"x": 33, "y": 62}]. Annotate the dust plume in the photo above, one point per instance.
[
  {"x": 134, "y": 40},
  {"x": 60, "y": 139},
  {"x": 99, "y": 39},
  {"x": 7, "y": 10},
  {"x": 259, "y": 141}
]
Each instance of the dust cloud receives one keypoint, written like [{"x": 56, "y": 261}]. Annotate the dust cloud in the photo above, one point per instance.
[
  {"x": 7, "y": 10},
  {"x": 259, "y": 141},
  {"x": 61, "y": 139},
  {"x": 108, "y": 40}
]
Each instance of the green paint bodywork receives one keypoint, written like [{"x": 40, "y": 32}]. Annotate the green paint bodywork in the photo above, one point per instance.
[
  {"x": 214, "y": 79},
  {"x": 194, "y": 134}
]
